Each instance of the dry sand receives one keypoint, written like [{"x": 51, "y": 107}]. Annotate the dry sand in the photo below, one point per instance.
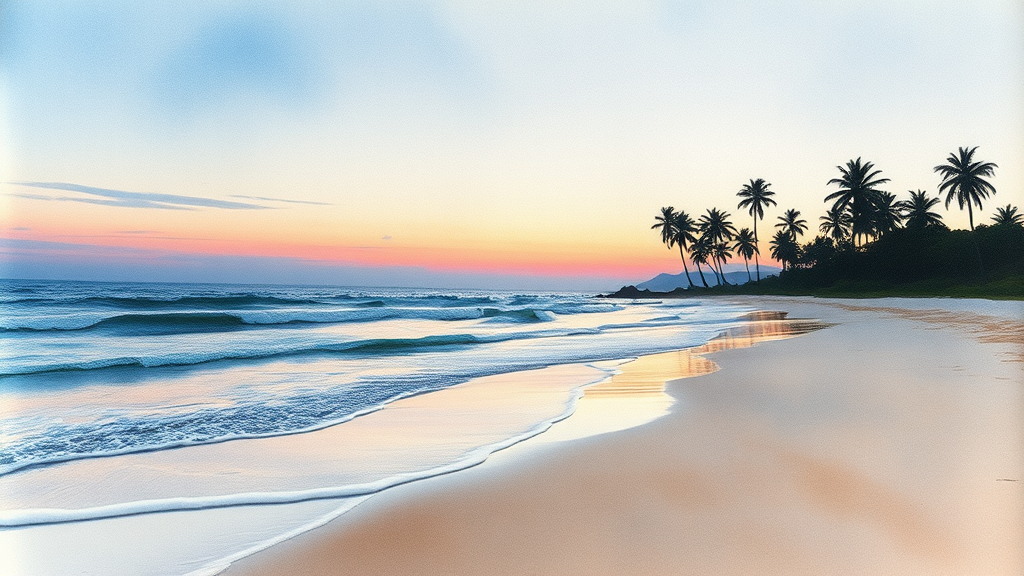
[{"x": 889, "y": 443}]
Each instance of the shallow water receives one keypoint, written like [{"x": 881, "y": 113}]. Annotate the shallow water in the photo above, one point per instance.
[{"x": 214, "y": 419}]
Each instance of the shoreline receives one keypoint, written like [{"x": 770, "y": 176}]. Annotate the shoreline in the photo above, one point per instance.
[
  {"x": 452, "y": 519},
  {"x": 633, "y": 396}
]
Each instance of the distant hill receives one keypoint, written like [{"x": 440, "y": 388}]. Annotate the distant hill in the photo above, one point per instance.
[{"x": 669, "y": 282}]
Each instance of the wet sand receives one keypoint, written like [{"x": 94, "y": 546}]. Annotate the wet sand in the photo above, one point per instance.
[{"x": 888, "y": 443}]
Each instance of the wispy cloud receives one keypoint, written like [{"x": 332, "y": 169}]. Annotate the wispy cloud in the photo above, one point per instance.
[
  {"x": 123, "y": 199},
  {"x": 269, "y": 199}
]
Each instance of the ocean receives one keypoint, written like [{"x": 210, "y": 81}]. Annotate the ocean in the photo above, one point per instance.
[{"x": 170, "y": 428}]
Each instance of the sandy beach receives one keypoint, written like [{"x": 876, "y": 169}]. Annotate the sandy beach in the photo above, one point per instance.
[{"x": 887, "y": 443}]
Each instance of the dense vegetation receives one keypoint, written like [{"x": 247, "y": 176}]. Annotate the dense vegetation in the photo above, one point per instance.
[{"x": 870, "y": 244}]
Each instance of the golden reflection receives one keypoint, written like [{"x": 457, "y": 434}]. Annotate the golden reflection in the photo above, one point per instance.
[{"x": 646, "y": 376}]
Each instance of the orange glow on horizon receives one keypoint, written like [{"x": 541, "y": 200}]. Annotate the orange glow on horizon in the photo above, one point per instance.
[{"x": 632, "y": 253}]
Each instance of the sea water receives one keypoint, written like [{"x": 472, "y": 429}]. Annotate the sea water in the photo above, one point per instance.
[{"x": 169, "y": 428}]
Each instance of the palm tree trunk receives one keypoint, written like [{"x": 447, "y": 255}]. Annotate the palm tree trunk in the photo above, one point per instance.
[
  {"x": 685, "y": 269},
  {"x": 718, "y": 279},
  {"x": 721, "y": 270},
  {"x": 977, "y": 252},
  {"x": 757, "y": 264},
  {"x": 746, "y": 263},
  {"x": 701, "y": 272}
]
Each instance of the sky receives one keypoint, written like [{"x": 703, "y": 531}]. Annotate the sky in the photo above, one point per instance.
[{"x": 517, "y": 145}]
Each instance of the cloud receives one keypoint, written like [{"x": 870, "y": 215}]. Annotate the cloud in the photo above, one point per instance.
[
  {"x": 269, "y": 199},
  {"x": 122, "y": 199},
  {"x": 386, "y": 237}
]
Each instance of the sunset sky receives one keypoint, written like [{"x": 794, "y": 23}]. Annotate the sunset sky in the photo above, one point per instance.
[{"x": 468, "y": 144}]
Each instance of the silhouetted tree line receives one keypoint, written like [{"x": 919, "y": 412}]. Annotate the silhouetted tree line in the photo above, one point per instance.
[{"x": 867, "y": 234}]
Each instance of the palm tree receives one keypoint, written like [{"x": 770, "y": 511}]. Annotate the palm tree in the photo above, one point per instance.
[
  {"x": 917, "y": 210},
  {"x": 676, "y": 229},
  {"x": 1009, "y": 216},
  {"x": 722, "y": 253},
  {"x": 686, "y": 230},
  {"x": 745, "y": 246},
  {"x": 964, "y": 179},
  {"x": 836, "y": 223},
  {"x": 857, "y": 191},
  {"x": 784, "y": 249},
  {"x": 755, "y": 198},
  {"x": 700, "y": 251},
  {"x": 888, "y": 213},
  {"x": 792, "y": 224},
  {"x": 715, "y": 225}
]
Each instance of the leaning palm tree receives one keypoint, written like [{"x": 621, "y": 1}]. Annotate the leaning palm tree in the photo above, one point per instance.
[
  {"x": 722, "y": 252},
  {"x": 836, "y": 224},
  {"x": 888, "y": 213},
  {"x": 1009, "y": 216},
  {"x": 755, "y": 198},
  {"x": 677, "y": 229},
  {"x": 964, "y": 179},
  {"x": 917, "y": 210},
  {"x": 745, "y": 246},
  {"x": 700, "y": 252},
  {"x": 666, "y": 224},
  {"x": 708, "y": 249},
  {"x": 792, "y": 224},
  {"x": 857, "y": 191},
  {"x": 686, "y": 233},
  {"x": 784, "y": 249}
]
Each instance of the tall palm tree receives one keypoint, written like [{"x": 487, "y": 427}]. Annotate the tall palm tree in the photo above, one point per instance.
[
  {"x": 918, "y": 210},
  {"x": 686, "y": 230},
  {"x": 666, "y": 224},
  {"x": 792, "y": 224},
  {"x": 964, "y": 179},
  {"x": 700, "y": 252},
  {"x": 784, "y": 249},
  {"x": 836, "y": 224},
  {"x": 676, "y": 229},
  {"x": 755, "y": 198},
  {"x": 857, "y": 191},
  {"x": 1009, "y": 216},
  {"x": 745, "y": 246},
  {"x": 888, "y": 213}
]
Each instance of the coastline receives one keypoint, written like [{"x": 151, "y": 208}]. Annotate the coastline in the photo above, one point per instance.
[{"x": 881, "y": 444}]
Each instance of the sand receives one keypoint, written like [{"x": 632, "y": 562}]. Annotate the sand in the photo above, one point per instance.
[{"x": 891, "y": 442}]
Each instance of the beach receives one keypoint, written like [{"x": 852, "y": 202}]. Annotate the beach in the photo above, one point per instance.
[{"x": 888, "y": 442}]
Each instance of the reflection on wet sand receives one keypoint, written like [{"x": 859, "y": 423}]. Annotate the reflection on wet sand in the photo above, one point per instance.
[
  {"x": 636, "y": 395},
  {"x": 648, "y": 375}
]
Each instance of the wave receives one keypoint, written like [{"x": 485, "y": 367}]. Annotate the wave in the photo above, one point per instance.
[
  {"x": 40, "y": 516},
  {"x": 376, "y": 346},
  {"x": 294, "y": 414},
  {"x": 147, "y": 303},
  {"x": 188, "y": 322}
]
